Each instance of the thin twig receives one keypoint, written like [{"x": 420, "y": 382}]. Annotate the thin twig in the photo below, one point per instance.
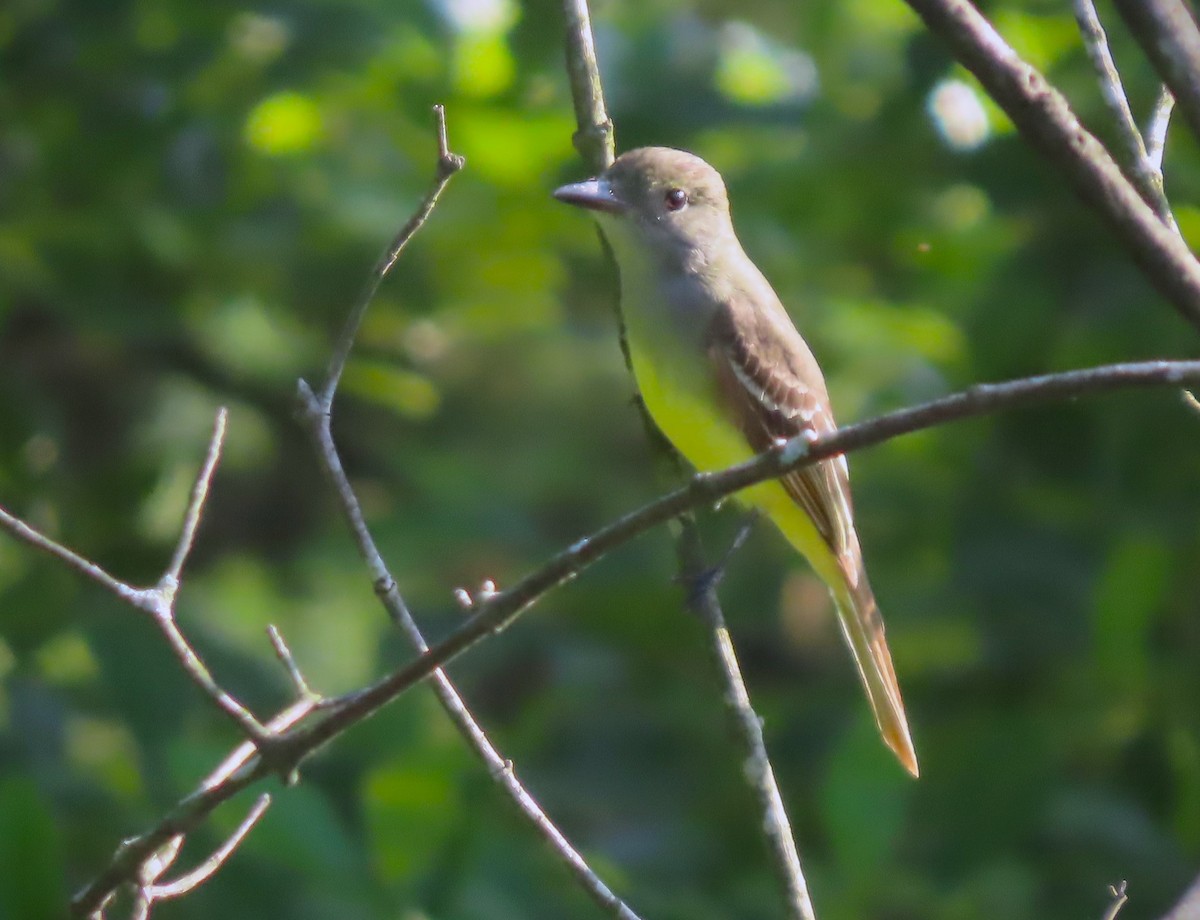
[
  {"x": 1096, "y": 43},
  {"x": 747, "y": 727},
  {"x": 593, "y": 136},
  {"x": 189, "y": 881},
  {"x": 1156, "y": 130},
  {"x": 147, "y": 873},
  {"x": 447, "y": 165},
  {"x": 499, "y": 768},
  {"x": 1141, "y": 169},
  {"x": 1044, "y": 117},
  {"x": 236, "y": 772},
  {"x": 316, "y": 413},
  {"x": 157, "y": 865},
  {"x": 159, "y": 601},
  {"x": 199, "y": 674},
  {"x": 145, "y": 859},
  {"x": 191, "y": 518},
  {"x": 163, "y": 596},
  {"x": 284, "y": 654},
  {"x": 89, "y": 570},
  {"x": 1170, "y": 38},
  {"x": 1119, "y": 897}
]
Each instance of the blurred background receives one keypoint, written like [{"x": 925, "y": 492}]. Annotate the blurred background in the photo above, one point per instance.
[{"x": 191, "y": 197}]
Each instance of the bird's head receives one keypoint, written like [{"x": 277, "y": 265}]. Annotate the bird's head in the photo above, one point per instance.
[{"x": 659, "y": 196}]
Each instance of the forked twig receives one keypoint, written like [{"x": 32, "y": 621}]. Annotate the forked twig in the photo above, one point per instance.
[
  {"x": 1119, "y": 897},
  {"x": 316, "y": 413},
  {"x": 1144, "y": 169},
  {"x": 448, "y": 164},
  {"x": 150, "y": 891}
]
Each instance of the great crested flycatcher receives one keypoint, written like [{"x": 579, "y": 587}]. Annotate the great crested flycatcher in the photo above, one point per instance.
[{"x": 725, "y": 375}]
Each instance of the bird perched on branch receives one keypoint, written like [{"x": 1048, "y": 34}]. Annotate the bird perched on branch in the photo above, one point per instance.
[{"x": 725, "y": 375}]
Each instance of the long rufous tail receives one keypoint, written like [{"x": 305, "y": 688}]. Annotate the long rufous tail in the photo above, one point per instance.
[{"x": 862, "y": 626}]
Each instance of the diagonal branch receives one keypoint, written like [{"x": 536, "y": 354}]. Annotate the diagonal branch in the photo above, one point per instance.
[
  {"x": 500, "y": 610},
  {"x": 159, "y": 601},
  {"x": 191, "y": 518},
  {"x": 1045, "y": 119},
  {"x": 1156, "y": 130},
  {"x": 1119, "y": 897},
  {"x": 1142, "y": 169},
  {"x": 18, "y": 529},
  {"x": 189, "y": 881},
  {"x": 447, "y": 165},
  {"x": 242, "y": 768},
  {"x": 1169, "y": 36},
  {"x": 150, "y": 890},
  {"x": 316, "y": 413},
  {"x": 499, "y": 768},
  {"x": 239, "y": 770}
]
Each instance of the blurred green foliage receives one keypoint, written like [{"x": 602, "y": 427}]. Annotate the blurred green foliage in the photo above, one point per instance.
[{"x": 191, "y": 196}]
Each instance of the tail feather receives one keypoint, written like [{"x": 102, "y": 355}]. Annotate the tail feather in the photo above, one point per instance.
[{"x": 862, "y": 626}]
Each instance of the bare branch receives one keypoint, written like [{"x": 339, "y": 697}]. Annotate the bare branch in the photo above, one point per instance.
[
  {"x": 203, "y": 872},
  {"x": 89, "y": 570},
  {"x": 241, "y": 769},
  {"x": 1167, "y": 32},
  {"x": 594, "y": 135},
  {"x": 149, "y": 891},
  {"x": 236, "y": 772},
  {"x": 747, "y": 727},
  {"x": 1156, "y": 131},
  {"x": 191, "y": 518},
  {"x": 154, "y": 868},
  {"x": 1119, "y": 897},
  {"x": 499, "y": 768},
  {"x": 447, "y": 165},
  {"x": 159, "y": 601},
  {"x": 284, "y": 654},
  {"x": 1043, "y": 116},
  {"x": 498, "y": 612},
  {"x": 143, "y": 860},
  {"x": 162, "y": 598},
  {"x": 1096, "y": 43},
  {"x": 148, "y": 872},
  {"x": 1142, "y": 170},
  {"x": 316, "y": 413},
  {"x": 199, "y": 674}
]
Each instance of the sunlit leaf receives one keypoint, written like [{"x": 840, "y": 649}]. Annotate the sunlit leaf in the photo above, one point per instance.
[{"x": 286, "y": 123}]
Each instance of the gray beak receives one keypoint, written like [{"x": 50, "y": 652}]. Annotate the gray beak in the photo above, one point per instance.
[{"x": 593, "y": 194}]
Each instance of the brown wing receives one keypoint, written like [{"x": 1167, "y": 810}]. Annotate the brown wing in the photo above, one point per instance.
[{"x": 773, "y": 388}]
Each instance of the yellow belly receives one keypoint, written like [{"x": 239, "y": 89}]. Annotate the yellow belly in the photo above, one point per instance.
[{"x": 692, "y": 421}]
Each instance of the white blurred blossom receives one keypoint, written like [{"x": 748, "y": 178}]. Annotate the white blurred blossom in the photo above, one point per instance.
[{"x": 958, "y": 114}]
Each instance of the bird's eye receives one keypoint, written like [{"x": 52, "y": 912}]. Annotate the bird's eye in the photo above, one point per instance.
[{"x": 676, "y": 199}]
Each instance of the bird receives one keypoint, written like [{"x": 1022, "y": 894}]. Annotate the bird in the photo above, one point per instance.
[{"x": 725, "y": 375}]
